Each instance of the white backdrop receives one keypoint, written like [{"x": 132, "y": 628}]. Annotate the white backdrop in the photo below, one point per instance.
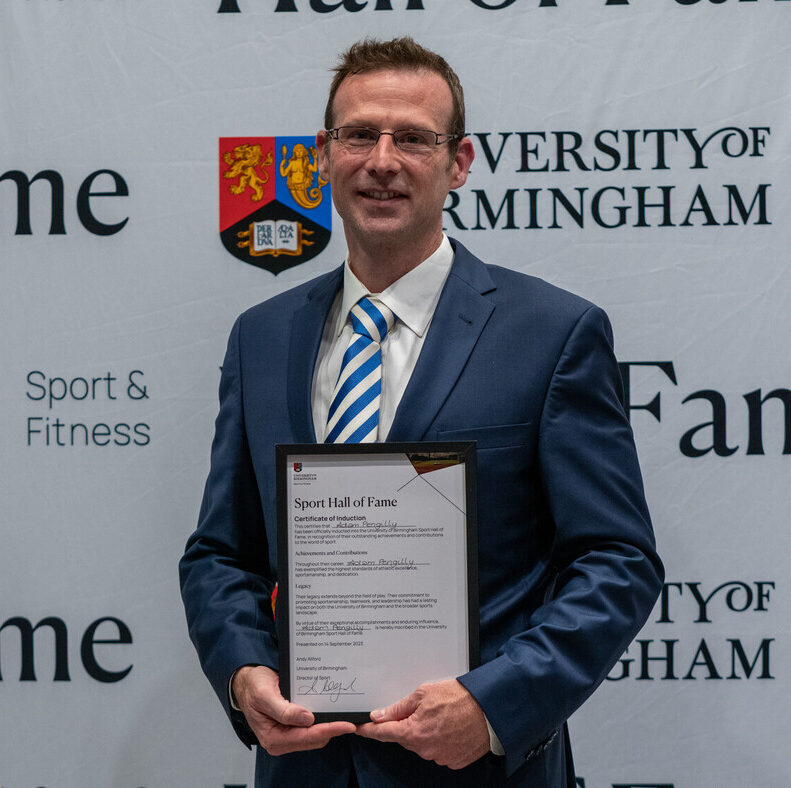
[{"x": 587, "y": 112}]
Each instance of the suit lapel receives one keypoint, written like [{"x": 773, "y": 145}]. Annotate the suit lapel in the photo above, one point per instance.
[
  {"x": 307, "y": 326},
  {"x": 460, "y": 317}
]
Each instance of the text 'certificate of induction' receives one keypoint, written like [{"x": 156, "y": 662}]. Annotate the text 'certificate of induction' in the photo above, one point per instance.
[{"x": 377, "y": 572}]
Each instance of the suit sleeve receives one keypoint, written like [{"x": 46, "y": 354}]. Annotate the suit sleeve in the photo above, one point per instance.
[
  {"x": 608, "y": 573},
  {"x": 225, "y": 579}
]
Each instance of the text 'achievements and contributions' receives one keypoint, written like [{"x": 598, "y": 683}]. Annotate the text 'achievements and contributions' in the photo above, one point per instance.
[{"x": 377, "y": 567}]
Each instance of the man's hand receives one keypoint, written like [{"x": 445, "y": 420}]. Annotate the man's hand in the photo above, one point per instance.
[
  {"x": 441, "y": 722},
  {"x": 279, "y": 726}
]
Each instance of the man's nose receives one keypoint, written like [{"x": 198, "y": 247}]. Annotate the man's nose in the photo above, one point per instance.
[{"x": 384, "y": 156}]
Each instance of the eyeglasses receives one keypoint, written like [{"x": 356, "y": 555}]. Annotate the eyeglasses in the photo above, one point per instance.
[{"x": 360, "y": 139}]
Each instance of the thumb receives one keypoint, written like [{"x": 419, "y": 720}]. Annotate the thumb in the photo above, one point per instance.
[
  {"x": 286, "y": 713},
  {"x": 399, "y": 710}
]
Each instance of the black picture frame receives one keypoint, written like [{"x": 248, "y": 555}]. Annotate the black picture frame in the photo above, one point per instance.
[{"x": 466, "y": 453}]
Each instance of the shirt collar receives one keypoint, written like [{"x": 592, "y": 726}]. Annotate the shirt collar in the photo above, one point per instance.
[{"x": 413, "y": 297}]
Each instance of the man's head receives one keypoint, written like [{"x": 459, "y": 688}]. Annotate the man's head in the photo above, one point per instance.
[
  {"x": 399, "y": 53},
  {"x": 391, "y": 153}
]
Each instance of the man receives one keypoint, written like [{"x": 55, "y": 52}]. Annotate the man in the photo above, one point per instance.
[{"x": 567, "y": 567}]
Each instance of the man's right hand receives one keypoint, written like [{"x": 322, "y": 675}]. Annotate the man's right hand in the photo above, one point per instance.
[{"x": 279, "y": 726}]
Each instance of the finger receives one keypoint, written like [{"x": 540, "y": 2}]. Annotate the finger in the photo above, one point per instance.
[
  {"x": 286, "y": 713},
  {"x": 281, "y": 739},
  {"x": 320, "y": 733},
  {"x": 384, "y": 731},
  {"x": 257, "y": 692},
  {"x": 399, "y": 710},
  {"x": 268, "y": 702}
]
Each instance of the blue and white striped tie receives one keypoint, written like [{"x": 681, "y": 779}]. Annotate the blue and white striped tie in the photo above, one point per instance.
[{"x": 354, "y": 409}]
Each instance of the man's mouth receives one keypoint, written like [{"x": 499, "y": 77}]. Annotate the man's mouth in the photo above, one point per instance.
[{"x": 381, "y": 195}]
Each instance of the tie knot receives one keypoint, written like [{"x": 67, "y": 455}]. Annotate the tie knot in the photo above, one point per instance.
[{"x": 372, "y": 319}]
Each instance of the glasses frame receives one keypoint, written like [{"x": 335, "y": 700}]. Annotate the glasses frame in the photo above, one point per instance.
[{"x": 334, "y": 135}]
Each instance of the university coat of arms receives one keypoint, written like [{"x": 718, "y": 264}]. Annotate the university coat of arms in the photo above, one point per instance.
[{"x": 275, "y": 209}]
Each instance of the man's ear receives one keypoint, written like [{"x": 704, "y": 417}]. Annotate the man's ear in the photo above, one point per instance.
[
  {"x": 322, "y": 146},
  {"x": 462, "y": 161}
]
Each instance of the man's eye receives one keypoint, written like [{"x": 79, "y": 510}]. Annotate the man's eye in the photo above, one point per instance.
[
  {"x": 413, "y": 138},
  {"x": 360, "y": 135}
]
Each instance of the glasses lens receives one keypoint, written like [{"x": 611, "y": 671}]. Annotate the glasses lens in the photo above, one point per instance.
[
  {"x": 415, "y": 140},
  {"x": 357, "y": 136}
]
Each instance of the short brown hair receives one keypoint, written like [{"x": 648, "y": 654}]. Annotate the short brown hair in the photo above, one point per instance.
[{"x": 371, "y": 54}]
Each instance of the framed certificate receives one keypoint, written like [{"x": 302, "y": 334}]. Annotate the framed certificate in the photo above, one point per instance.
[{"x": 377, "y": 572}]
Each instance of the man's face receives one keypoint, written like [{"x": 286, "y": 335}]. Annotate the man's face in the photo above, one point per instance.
[{"x": 383, "y": 195}]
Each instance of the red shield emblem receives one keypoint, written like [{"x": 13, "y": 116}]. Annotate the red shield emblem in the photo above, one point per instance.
[{"x": 275, "y": 210}]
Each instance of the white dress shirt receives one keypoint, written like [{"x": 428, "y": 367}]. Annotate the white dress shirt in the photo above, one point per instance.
[{"x": 413, "y": 298}]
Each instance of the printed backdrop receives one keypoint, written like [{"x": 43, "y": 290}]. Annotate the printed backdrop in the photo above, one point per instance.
[{"x": 157, "y": 178}]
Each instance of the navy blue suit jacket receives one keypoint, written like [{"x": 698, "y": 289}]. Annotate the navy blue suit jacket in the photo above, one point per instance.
[{"x": 568, "y": 570}]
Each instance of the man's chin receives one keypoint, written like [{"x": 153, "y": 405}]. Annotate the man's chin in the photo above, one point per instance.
[{"x": 383, "y": 227}]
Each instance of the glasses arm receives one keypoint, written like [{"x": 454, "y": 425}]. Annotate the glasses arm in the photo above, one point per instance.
[{"x": 449, "y": 137}]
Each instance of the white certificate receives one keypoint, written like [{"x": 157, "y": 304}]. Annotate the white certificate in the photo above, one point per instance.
[{"x": 377, "y": 572}]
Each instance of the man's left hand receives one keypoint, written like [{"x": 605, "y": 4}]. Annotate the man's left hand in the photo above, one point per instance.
[{"x": 440, "y": 722}]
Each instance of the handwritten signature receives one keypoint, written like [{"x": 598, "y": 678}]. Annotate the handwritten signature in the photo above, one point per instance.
[
  {"x": 329, "y": 628},
  {"x": 387, "y": 525},
  {"x": 330, "y": 687}
]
